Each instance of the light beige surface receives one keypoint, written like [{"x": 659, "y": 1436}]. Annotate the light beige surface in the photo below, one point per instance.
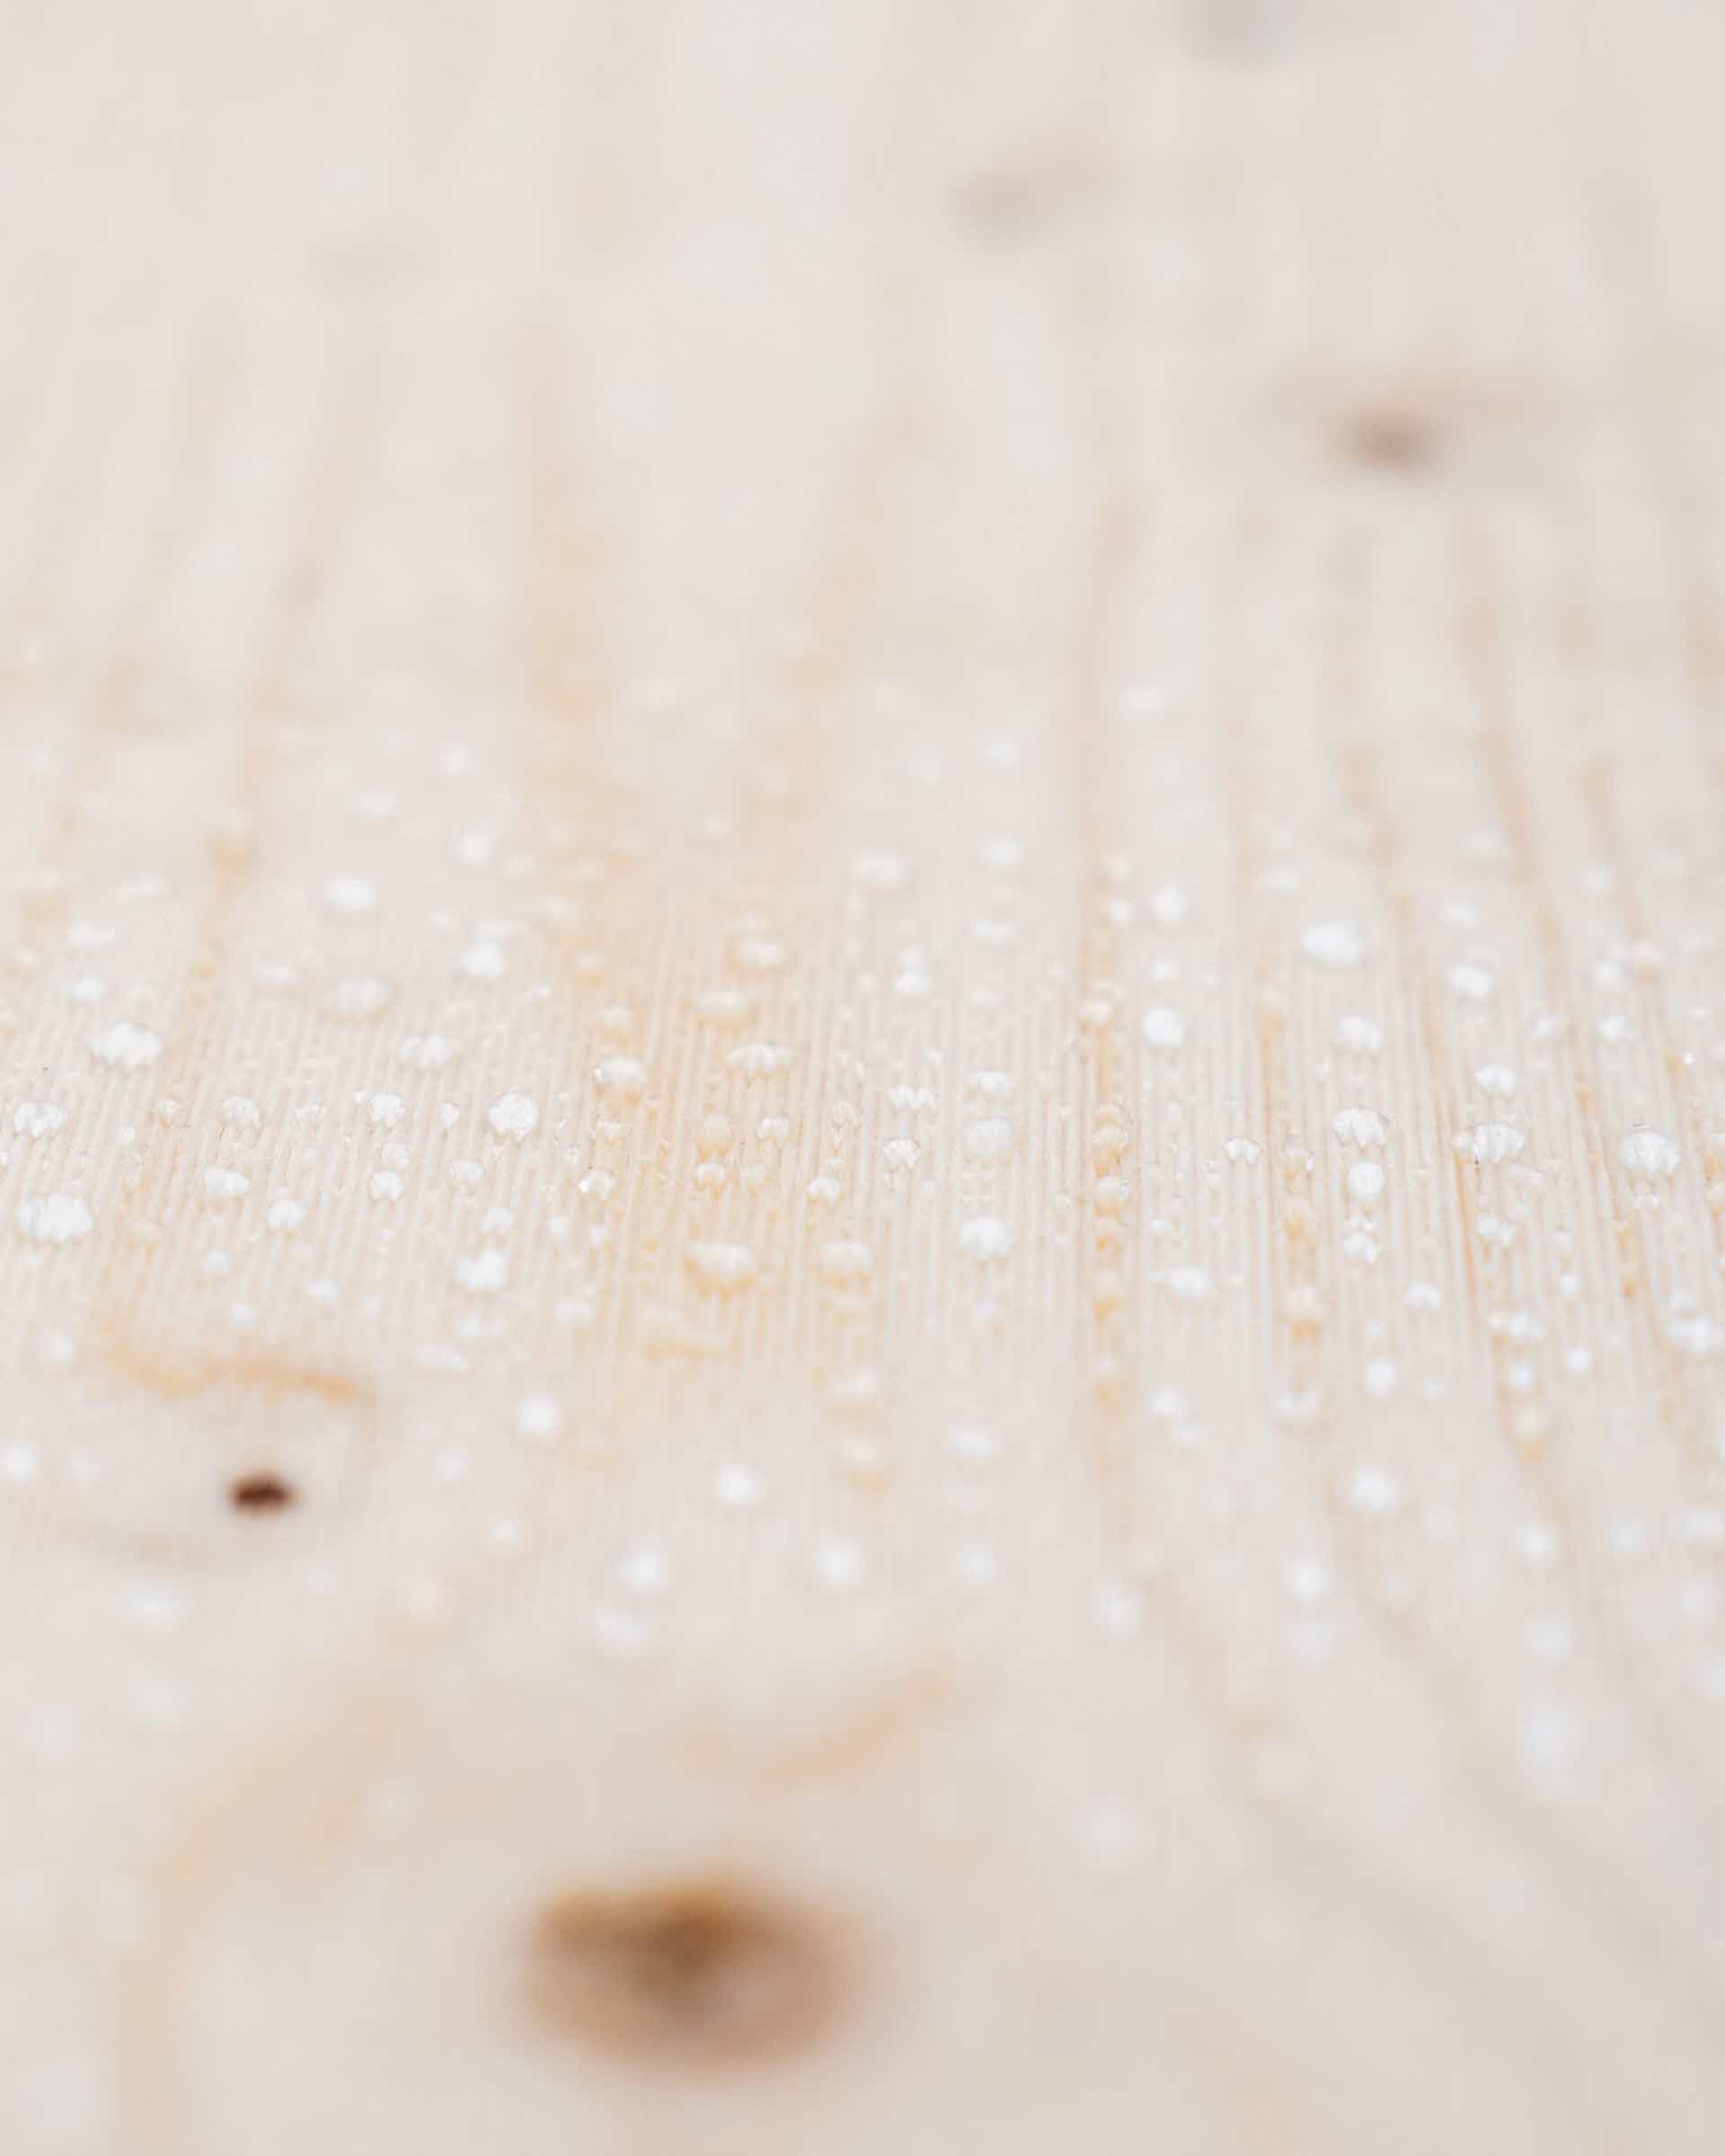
[{"x": 1046, "y": 679}]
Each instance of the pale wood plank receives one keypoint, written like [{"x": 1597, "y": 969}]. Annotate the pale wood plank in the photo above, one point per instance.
[{"x": 665, "y": 1480}]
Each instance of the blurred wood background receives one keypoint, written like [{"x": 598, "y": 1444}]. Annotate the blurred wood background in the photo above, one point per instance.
[{"x": 862, "y": 1078}]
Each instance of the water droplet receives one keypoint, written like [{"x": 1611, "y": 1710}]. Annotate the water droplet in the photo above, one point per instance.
[
  {"x": 1649, "y": 1154},
  {"x": 58, "y": 1217},
  {"x": 759, "y": 1059},
  {"x": 1365, "y": 1182},
  {"x": 1189, "y": 1284},
  {"x": 761, "y": 954},
  {"x": 874, "y": 871},
  {"x": 513, "y": 1115},
  {"x": 482, "y": 961},
  {"x": 361, "y": 998},
  {"x": 350, "y": 894},
  {"x": 1335, "y": 943},
  {"x": 1307, "y": 1580},
  {"x": 428, "y": 1051},
  {"x": 1361, "y": 1126},
  {"x": 988, "y": 1138},
  {"x": 723, "y": 1006},
  {"x": 126, "y": 1047},
  {"x": 1491, "y": 1143},
  {"x": 1374, "y": 1491},
  {"x": 839, "y": 1565},
  {"x": 645, "y": 1571},
  {"x": 736, "y": 1487},
  {"x": 624, "y": 1075},
  {"x": 722, "y": 1267},
  {"x": 1164, "y": 1028},
  {"x": 1358, "y": 1036},
  {"x": 486, "y": 1274},
  {"x": 538, "y": 1417}
]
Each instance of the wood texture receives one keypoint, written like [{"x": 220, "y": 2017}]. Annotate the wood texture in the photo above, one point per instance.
[{"x": 862, "y": 1078}]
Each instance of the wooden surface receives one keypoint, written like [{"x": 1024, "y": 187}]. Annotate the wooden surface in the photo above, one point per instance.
[{"x": 862, "y": 1078}]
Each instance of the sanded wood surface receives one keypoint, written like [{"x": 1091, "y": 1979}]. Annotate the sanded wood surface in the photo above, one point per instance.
[{"x": 862, "y": 1078}]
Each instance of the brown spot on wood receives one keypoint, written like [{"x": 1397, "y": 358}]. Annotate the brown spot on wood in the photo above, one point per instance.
[
  {"x": 701, "y": 1975},
  {"x": 1389, "y": 439},
  {"x": 1033, "y": 196},
  {"x": 261, "y": 1493},
  {"x": 1242, "y": 30},
  {"x": 1005, "y": 204}
]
